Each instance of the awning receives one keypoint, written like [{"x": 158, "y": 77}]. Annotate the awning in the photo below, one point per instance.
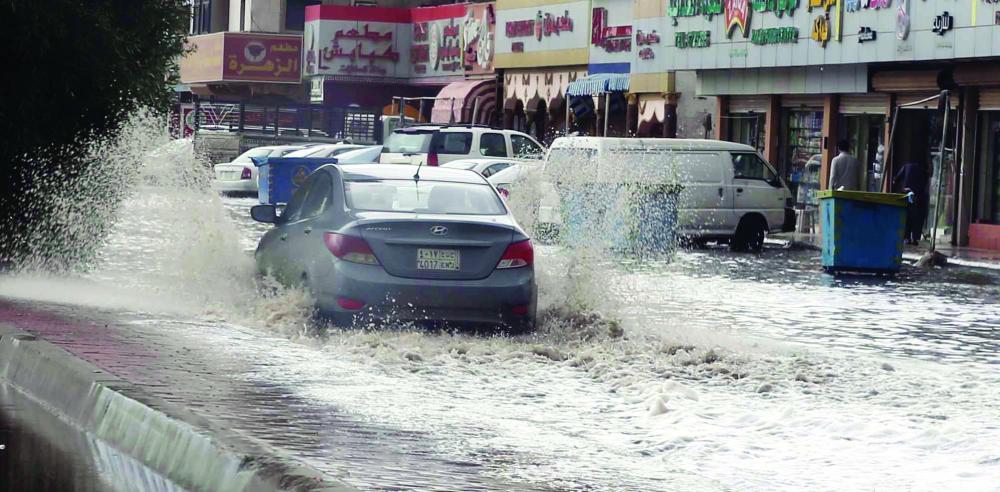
[
  {"x": 599, "y": 83},
  {"x": 457, "y": 101}
]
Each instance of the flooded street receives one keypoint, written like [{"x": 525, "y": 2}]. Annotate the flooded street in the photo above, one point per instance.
[{"x": 714, "y": 371}]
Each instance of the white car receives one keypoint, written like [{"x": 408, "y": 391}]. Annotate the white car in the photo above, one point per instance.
[
  {"x": 532, "y": 198},
  {"x": 363, "y": 155},
  {"x": 434, "y": 145},
  {"x": 240, "y": 175},
  {"x": 325, "y": 150},
  {"x": 486, "y": 167}
]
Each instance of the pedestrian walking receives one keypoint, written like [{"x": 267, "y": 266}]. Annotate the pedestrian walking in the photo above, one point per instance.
[
  {"x": 912, "y": 178},
  {"x": 845, "y": 170}
]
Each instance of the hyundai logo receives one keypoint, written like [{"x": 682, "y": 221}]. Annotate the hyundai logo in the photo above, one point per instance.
[{"x": 439, "y": 230}]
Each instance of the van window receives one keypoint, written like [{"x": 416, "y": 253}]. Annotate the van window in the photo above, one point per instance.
[
  {"x": 493, "y": 145},
  {"x": 572, "y": 163},
  {"x": 408, "y": 142},
  {"x": 699, "y": 168},
  {"x": 451, "y": 143},
  {"x": 749, "y": 166}
]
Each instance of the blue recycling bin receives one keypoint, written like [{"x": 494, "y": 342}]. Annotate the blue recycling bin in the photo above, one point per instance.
[
  {"x": 862, "y": 231},
  {"x": 278, "y": 178},
  {"x": 620, "y": 217}
]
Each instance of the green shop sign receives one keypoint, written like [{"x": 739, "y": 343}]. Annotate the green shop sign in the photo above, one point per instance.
[
  {"x": 692, "y": 39},
  {"x": 779, "y": 7},
  {"x": 691, "y": 8},
  {"x": 775, "y": 35}
]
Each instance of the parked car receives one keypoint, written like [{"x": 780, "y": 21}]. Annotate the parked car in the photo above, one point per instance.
[
  {"x": 532, "y": 198},
  {"x": 729, "y": 192},
  {"x": 325, "y": 150},
  {"x": 240, "y": 175},
  {"x": 377, "y": 241},
  {"x": 486, "y": 167},
  {"x": 363, "y": 155},
  {"x": 434, "y": 145}
]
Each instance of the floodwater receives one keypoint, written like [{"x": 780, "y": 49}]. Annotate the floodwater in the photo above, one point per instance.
[{"x": 713, "y": 371}]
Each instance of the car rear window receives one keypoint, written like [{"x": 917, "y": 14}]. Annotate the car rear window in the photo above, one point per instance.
[
  {"x": 426, "y": 197},
  {"x": 258, "y": 152},
  {"x": 408, "y": 142}
]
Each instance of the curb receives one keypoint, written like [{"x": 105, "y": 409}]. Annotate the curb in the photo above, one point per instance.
[{"x": 170, "y": 440}]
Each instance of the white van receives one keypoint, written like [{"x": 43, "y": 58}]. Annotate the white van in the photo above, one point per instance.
[{"x": 728, "y": 192}]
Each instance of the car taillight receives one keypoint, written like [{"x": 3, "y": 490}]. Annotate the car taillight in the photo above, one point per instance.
[
  {"x": 350, "y": 304},
  {"x": 517, "y": 255},
  {"x": 246, "y": 174},
  {"x": 432, "y": 159},
  {"x": 350, "y": 248}
]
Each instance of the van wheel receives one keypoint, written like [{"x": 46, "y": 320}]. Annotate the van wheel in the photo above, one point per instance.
[{"x": 749, "y": 235}]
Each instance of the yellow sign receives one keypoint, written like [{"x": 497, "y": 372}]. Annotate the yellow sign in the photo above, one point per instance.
[{"x": 821, "y": 29}]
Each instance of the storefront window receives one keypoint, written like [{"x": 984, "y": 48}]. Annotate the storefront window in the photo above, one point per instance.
[
  {"x": 801, "y": 152},
  {"x": 748, "y": 128},
  {"x": 866, "y": 135}
]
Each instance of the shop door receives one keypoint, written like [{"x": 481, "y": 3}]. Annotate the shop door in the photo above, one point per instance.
[{"x": 918, "y": 139}]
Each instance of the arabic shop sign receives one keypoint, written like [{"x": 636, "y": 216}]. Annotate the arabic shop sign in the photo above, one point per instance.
[
  {"x": 613, "y": 39},
  {"x": 775, "y": 35},
  {"x": 779, "y": 7},
  {"x": 478, "y": 38},
  {"x": 369, "y": 51},
  {"x": 691, "y": 8},
  {"x": 821, "y": 24},
  {"x": 943, "y": 23},
  {"x": 692, "y": 39},
  {"x": 866, "y": 34},
  {"x": 243, "y": 57},
  {"x": 437, "y": 48},
  {"x": 646, "y": 41},
  {"x": 737, "y": 15},
  {"x": 546, "y": 24},
  {"x": 856, "y": 5}
]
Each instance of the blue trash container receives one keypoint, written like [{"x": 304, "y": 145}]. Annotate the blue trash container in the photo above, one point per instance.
[
  {"x": 279, "y": 177},
  {"x": 862, "y": 231}
]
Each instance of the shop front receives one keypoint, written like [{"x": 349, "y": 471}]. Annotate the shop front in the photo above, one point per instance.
[
  {"x": 652, "y": 86},
  {"x": 542, "y": 46},
  {"x": 794, "y": 78}
]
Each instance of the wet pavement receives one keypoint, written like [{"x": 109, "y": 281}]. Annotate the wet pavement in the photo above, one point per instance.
[{"x": 735, "y": 371}]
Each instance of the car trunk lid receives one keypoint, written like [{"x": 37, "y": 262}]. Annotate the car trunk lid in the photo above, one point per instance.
[{"x": 446, "y": 247}]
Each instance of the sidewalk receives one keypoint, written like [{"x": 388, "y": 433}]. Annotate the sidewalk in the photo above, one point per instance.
[{"x": 957, "y": 255}]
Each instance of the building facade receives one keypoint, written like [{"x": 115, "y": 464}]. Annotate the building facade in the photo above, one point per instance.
[{"x": 793, "y": 77}]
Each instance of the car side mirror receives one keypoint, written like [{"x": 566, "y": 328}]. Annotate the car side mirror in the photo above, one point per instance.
[{"x": 264, "y": 213}]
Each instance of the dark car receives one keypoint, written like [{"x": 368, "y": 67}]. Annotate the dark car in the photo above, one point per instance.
[{"x": 402, "y": 243}]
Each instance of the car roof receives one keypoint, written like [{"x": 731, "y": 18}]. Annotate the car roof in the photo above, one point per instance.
[
  {"x": 363, "y": 172},
  {"x": 670, "y": 143},
  {"x": 480, "y": 160}
]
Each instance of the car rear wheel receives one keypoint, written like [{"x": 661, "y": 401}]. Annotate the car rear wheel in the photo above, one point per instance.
[{"x": 749, "y": 234}]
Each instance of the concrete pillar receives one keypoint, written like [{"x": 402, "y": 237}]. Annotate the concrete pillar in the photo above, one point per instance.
[
  {"x": 721, "y": 123},
  {"x": 887, "y": 168},
  {"x": 598, "y": 129},
  {"x": 772, "y": 130},
  {"x": 632, "y": 115},
  {"x": 830, "y": 137},
  {"x": 967, "y": 164},
  {"x": 508, "y": 119}
]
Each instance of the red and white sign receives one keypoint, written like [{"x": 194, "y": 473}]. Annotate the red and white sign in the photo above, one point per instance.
[
  {"x": 558, "y": 26},
  {"x": 437, "y": 46}
]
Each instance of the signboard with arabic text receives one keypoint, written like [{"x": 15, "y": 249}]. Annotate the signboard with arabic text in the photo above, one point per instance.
[{"x": 243, "y": 57}]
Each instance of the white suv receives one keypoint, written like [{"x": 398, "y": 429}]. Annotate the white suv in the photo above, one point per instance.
[{"x": 434, "y": 145}]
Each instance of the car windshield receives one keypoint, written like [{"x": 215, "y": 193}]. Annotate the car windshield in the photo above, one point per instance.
[
  {"x": 244, "y": 158},
  {"x": 460, "y": 164},
  {"x": 408, "y": 142},
  {"x": 426, "y": 197}
]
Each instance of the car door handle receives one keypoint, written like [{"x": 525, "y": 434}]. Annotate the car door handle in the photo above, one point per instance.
[
  {"x": 307, "y": 230},
  {"x": 283, "y": 237},
  {"x": 739, "y": 190}
]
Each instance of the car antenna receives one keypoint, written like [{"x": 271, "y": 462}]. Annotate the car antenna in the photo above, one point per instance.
[{"x": 416, "y": 175}]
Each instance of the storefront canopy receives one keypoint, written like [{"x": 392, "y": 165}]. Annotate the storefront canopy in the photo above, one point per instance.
[
  {"x": 598, "y": 83},
  {"x": 456, "y": 102}
]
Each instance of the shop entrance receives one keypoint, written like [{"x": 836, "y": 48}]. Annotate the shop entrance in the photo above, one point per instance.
[
  {"x": 866, "y": 135},
  {"x": 917, "y": 139},
  {"x": 801, "y": 154},
  {"x": 747, "y": 128},
  {"x": 989, "y": 173}
]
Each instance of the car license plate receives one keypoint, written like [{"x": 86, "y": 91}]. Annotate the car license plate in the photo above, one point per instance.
[
  {"x": 229, "y": 175},
  {"x": 437, "y": 259}
]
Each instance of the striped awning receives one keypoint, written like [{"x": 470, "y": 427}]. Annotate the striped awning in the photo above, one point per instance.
[{"x": 598, "y": 83}]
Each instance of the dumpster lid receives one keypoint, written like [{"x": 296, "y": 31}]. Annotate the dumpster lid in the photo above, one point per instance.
[{"x": 895, "y": 199}]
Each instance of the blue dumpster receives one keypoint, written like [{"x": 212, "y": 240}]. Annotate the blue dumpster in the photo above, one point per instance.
[
  {"x": 862, "y": 231},
  {"x": 279, "y": 177}
]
